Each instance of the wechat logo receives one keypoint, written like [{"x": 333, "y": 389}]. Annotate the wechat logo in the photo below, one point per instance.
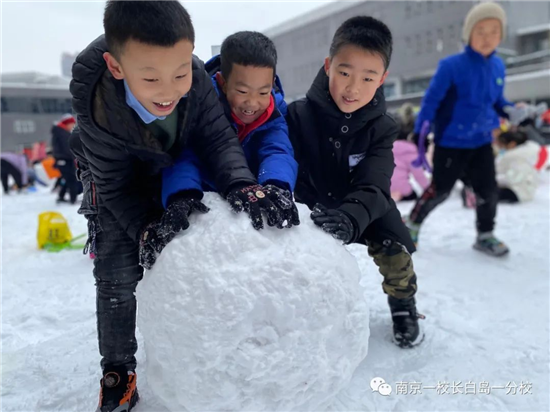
[{"x": 379, "y": 385}]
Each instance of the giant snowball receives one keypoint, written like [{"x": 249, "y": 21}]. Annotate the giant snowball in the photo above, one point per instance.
[{"x": 236, "y": 319}]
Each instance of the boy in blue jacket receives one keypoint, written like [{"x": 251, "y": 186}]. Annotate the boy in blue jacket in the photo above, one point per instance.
[
  {"x": 253, "y": 100},
  {"x": 463, "y": 104}
]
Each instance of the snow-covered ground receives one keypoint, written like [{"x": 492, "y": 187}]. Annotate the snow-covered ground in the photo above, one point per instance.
[{"x": 487, "y": 319}]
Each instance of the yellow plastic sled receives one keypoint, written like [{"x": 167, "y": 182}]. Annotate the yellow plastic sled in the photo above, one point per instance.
[{"x": 54, "y": 234}]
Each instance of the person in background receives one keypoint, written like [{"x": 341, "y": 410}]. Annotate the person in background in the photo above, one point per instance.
[
  {"x": 462, "y": 103},
  {"x": 64, "y": 159},
  {"x": 15, "y": 166},
  {"x": 405, "y": 152},
  {"x": 517, "y": 176}
]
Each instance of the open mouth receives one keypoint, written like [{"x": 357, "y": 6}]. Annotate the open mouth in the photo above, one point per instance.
[
  {"x": 249, "y": 113},
  {"x": 164, "y": 106},
  {"x": 348, "y": 101}
]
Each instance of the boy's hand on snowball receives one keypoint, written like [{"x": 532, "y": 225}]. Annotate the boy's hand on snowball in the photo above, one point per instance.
[
  {"x": 334, "y": 222},
  {"x": 253, "y": 200}
]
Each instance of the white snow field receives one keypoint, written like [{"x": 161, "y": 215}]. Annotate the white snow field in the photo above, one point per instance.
[{"x": 487, "y": 319}]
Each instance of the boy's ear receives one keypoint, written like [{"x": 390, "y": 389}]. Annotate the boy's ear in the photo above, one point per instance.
[
  {"x": 221, "y": 81},
  {"x": 327, "y": 64},
  {"x": 383, "y": 79},
  {"x": 113, "y": 65}
]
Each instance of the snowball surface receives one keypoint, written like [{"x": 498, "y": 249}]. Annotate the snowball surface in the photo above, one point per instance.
[{"x": 235, "y": 319}]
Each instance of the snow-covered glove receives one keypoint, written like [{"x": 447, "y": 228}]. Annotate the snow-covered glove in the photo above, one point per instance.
[
  {"x": 335, "y": 222},
  {"x": 180, "y": 206},
  {"x": 151, "y": 243},
  {"x": 283, "y": 199},
  {"x": 253, "y": 200}
]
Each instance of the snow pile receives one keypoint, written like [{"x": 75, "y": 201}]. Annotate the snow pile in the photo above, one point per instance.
[{"x": 238, "y": 319}]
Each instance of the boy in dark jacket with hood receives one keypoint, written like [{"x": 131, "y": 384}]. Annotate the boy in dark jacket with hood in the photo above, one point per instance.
[
  {"x": 463, "y": 104},
  {"x": 252, "y": 97},
  {"x": 343, "y": 141},
  {"x": 141, "y": 98}
]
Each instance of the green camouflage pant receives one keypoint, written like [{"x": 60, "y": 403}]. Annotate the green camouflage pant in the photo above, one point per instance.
[{"x": 395, "y": 264}]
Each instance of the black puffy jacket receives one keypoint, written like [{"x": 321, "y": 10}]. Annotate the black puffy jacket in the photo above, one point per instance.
[
  {"x": 345, "y": 160},
  {"x": 124, "y": 157}
]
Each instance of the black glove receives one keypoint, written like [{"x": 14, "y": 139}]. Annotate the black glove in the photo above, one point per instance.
[
  {"x": 180, "y": 206},
  {"x": 283, "y": 199},
  {"x": 335, "y": 222},
  {"x": 151, "y": 243},
  {"x": 253, "y": 200}
]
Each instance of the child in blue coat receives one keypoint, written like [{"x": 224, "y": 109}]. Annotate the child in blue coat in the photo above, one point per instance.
[
  {"x": 253, "y": 100},
  {"x": 463, "y": 104}
]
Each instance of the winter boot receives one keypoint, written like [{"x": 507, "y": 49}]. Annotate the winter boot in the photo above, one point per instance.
[
  {"x": 118, "y": 390},
  {"x": 488, "y": 243},
  {"x": 406, "y": 330}
]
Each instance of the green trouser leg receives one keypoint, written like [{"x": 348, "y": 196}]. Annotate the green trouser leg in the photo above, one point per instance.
[{"x": 396, "y": 265}]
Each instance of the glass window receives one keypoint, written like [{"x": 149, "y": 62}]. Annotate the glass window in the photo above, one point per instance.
[
  {"x": 416, "y": 85},
  {"x": 19, "y": 105},
  {"x": 389, "y": 89}
]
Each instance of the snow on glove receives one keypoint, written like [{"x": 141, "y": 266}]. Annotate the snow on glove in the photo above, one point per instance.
[
  {"x": 180, "y": 206},
  {"x": 253, "y": 200},
  {"x": 151, "y": 244},
  {"x": 334, "y": 222},
  {"x": 283, "y": 199}
]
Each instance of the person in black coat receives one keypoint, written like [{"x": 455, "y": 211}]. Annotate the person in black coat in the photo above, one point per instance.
[
  {"x": 140, "y": 98},
  {"x": 64, "y": 158},
  {"x": 343, "y": 138}
]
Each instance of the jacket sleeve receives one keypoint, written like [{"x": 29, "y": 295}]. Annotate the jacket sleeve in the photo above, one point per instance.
[
  {"x": 276, "y": 156},
  {"x": 184, "y": 174},
  {"x": 439, "y": 85},
  {"x": 113, "y": 172},
  {"x": 215, "y": 142},
  {"x": 370, "y": 196}
]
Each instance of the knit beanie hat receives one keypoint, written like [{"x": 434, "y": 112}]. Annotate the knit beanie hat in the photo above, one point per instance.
[
  {"x": 66, "y": 120},
  {"x": 482, "y": 11}
]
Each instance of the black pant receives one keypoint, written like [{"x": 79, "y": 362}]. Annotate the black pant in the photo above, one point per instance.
[
  {"x": 389, "y": 227},
  {"x": 477, "y": 167},
  {"x": 68, "y": 172},
  {"x": 117, "y": 273},
  {"x": 7, "y": 170}
]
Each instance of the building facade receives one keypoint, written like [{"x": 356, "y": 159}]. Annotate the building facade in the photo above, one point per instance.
[{"x": 423, "y": 32}]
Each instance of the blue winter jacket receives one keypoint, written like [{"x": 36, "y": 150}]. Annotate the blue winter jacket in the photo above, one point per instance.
[
  {"x": 464, "y": 100},
  {"x": 267, "y": 149}
]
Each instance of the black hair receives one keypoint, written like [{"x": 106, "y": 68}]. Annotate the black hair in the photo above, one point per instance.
[
  {"x": 157, "y": 23},
  {"x": 367, "y": 33},
  {"x": 518, "y": 137},
  {"x": 247, "y": 48}
]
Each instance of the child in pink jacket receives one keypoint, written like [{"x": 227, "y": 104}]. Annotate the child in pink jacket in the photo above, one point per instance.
[{"x": 404, "y": 153}]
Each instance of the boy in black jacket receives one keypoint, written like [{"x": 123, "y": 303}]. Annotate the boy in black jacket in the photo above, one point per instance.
[
  {"x": 141, "y": 97},
  {"x": 343, "y": 139}
]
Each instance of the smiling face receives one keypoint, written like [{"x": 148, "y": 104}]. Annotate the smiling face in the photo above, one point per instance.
[
  {"x": 248, "y": 90},
  {"x": 157, "y": 76},
  {"x": 354, "y": 76},
  {"x": 486, "y": 36}
]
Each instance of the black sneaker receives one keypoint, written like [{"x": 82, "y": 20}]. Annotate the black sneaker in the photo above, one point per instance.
[
  {"x": 406, "y": 330},
  {"x": 118, "y": 390},
  {"x": 489, "y": 244}
]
